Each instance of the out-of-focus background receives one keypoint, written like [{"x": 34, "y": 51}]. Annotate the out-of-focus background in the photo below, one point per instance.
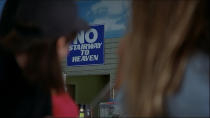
[{"x": 86, "y": 78}]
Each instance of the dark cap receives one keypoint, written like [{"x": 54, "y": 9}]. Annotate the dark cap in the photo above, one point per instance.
[{"x": 52, "y": 18}]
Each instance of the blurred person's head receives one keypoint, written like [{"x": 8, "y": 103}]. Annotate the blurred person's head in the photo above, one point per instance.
[
  {"x": 164, "y": 34},
  {"x": 39, "y": 32}
]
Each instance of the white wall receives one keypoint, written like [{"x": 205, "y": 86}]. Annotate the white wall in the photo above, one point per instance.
[{"x": 109, "y": 67}]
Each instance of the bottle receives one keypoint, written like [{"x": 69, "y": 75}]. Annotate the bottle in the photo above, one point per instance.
[
  {"x": 81, "y": 112},
  {"x": 88, "y": 113}
]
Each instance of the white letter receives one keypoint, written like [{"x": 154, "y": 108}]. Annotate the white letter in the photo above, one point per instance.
[
  {"x": 80, "y": 37},
  {"x": 95, "y": 36}
]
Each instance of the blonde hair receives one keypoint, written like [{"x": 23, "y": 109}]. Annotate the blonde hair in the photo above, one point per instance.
[{"x": 163, "y": 36}]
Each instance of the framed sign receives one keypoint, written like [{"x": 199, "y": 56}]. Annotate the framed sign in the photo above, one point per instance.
[{"x": 87, "y": 48}]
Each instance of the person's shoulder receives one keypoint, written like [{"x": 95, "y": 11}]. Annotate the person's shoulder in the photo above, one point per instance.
[
  {"x": 192, "y": 99},
  {"x": 198, "y": 67},
  {"x": 199, "y": 59},
  {"x": 63, "y": 105}
]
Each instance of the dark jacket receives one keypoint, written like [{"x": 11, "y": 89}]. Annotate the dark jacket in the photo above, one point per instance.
[{"x": 19, "y": 98}]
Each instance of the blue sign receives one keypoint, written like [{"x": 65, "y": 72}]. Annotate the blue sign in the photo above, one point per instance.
[{"x": 87, "y": 48}]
